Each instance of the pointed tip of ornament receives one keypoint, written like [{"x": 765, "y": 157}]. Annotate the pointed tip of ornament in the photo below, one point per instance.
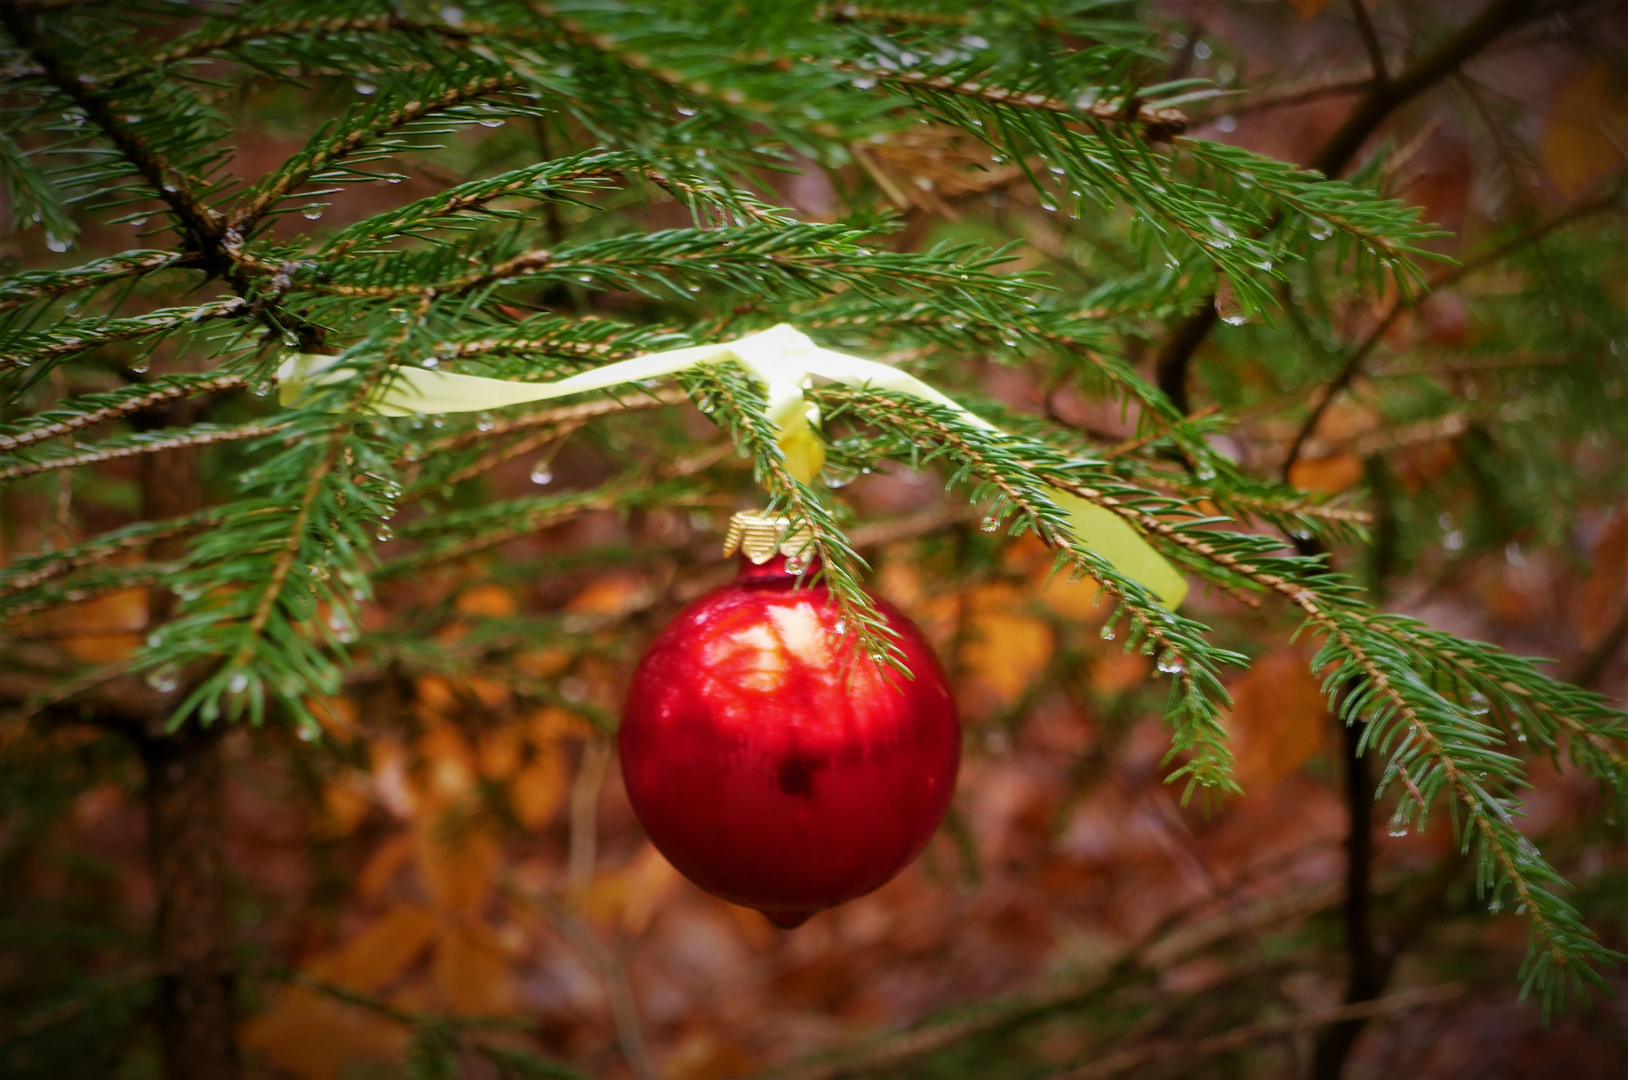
[{"x": 788, "y": 920}]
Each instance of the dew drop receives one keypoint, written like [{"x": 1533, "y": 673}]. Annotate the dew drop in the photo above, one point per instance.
[
  {"x": 492, "y": 122},
  {"x": 260, "y": 388},
  {"x": 1320, "y": 229},
  {"x": 1399, "y": 823},
  {"x": 57, "y": 243},
  {"x": 864, "y": 82},
  {"x": 1495, "y": 905},
  {"x": 163, "y": 679},
  {"x": 385, "y": 534},
  {"x": 1108, "y": 632},
  {"x": 237, "y": 683},
  {"x": 306, "y": 734},
  {"x": 541, "y": 475},
  {"x": 141, "y": 365},
  {"x": 1227, "y": 306},
  {"x": 484, "y": 422},
  {"x": 364, "y": 88},
  {"x": 138, "y": 222},
  {"x": 312, "y": 211},
  {"x": 685, "y": 110},
  {"x": 290, "y": 338},
  {"x": 452, "y": 16},
  {"x": 989, "y": 524},
  {"x": 1171, "y": 664}
]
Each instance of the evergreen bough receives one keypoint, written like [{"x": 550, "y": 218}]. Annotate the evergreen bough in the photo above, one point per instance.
[{"x": 124, "y": 112}]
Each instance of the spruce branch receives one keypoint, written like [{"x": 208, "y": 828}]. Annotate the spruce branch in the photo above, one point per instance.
[
  {"x": 196, "y": 220},
  {"x": 1351, "y": 366},
  {"x": 556, "y": 417},
  {"x": 34, "y": 285},
  {"x": 329, "y": 147},
  {"x": 34, "y": 570},
  {"x": 735, "y": 404},
  {"x": 37, "y": 350},
  {"x": 92, "y": 409},
  {"x": 135, "y": 445},
  {"x": 1000, "y": 468},
  {"x": 1156, "y": 123}
]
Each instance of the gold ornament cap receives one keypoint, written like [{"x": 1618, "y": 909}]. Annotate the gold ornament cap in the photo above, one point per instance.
[{"x": 760, "y": 537}]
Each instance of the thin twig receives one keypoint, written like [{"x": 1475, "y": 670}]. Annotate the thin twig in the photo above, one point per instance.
[
  {"x": 619, "y": 994},
  {"x": 1352, "y": 366},
  {"x": 96, "y": 457},
  {"x": 31, "y": 436},
  {"x": 1240, "y": 1038}
]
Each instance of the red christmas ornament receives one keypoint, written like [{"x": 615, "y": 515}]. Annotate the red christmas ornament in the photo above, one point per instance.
[{"x": 771, "y": 766}]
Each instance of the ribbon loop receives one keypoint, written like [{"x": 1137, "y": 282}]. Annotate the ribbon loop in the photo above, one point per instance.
[{"x": 784, "y": 361}]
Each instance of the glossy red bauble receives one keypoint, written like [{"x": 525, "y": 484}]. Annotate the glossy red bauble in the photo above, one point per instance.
[{"x": 773, "y": 768}]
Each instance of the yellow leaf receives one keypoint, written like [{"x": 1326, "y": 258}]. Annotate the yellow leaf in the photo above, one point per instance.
[
  {"x": 447, "y": 776},
  {"x": 706, "y": 1055},
  {"x": 381, "y": 952},
  {"x": 539, "y": 789},
  {"x": 610, "y": 595},
  {"x": 1078, "y": 600},
  {"x": 1277, "y": 721},
  {"x": 458, "y": 867},
  {"x": 490, "y": 600},
  {"x": 632, "y": 894},
  {"x": 471, "y": 971},
  {"x": 382, "y": 866},
  {"x": 314, "y": 1037},
  {"x": 1007, "y": 648},
  {"x": 1587, "y": 128},
  {"x": 1326, "y": 474}
]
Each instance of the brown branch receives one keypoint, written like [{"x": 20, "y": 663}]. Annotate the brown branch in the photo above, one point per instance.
[
  {"x": 1498, "y": 17},
  {"x": 1172, "y": 941},
  {"x": 134, "y": 328},
  {"x": 96, "y": 457},
  {"x": 1370, "y": 41},
  {"x": 187, "y": 48},
  {"x": 1190, "y": 1051},
  {"x": 96, "y": 273},
  {"x": 112, "y": 412},
  {"x": 456, "y": 204},
  {"x": 1352, "y": 367},
  {"x": 200, "y": 224},
  {"x": 492, "y": 459},
  {"x": 618, "y": 993},
  {"x": 246, "y": 216},
  {"x": 1158, "y": 123}
]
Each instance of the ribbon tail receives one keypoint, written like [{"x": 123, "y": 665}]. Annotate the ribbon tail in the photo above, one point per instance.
[
  {"x": 1097, "y": 529},
  {"x": 412, "y": 391},
  {"x": 1111, "y": 536}
]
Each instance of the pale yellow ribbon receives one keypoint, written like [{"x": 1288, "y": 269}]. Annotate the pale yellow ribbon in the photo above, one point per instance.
[{"x": 784, "y": 361}]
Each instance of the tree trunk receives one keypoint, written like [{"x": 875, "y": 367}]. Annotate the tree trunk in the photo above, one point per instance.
[{"x": 196, "y": 1009}]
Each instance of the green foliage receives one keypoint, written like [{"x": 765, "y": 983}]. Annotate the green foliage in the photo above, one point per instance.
[{"x": 631, "y": 104}]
